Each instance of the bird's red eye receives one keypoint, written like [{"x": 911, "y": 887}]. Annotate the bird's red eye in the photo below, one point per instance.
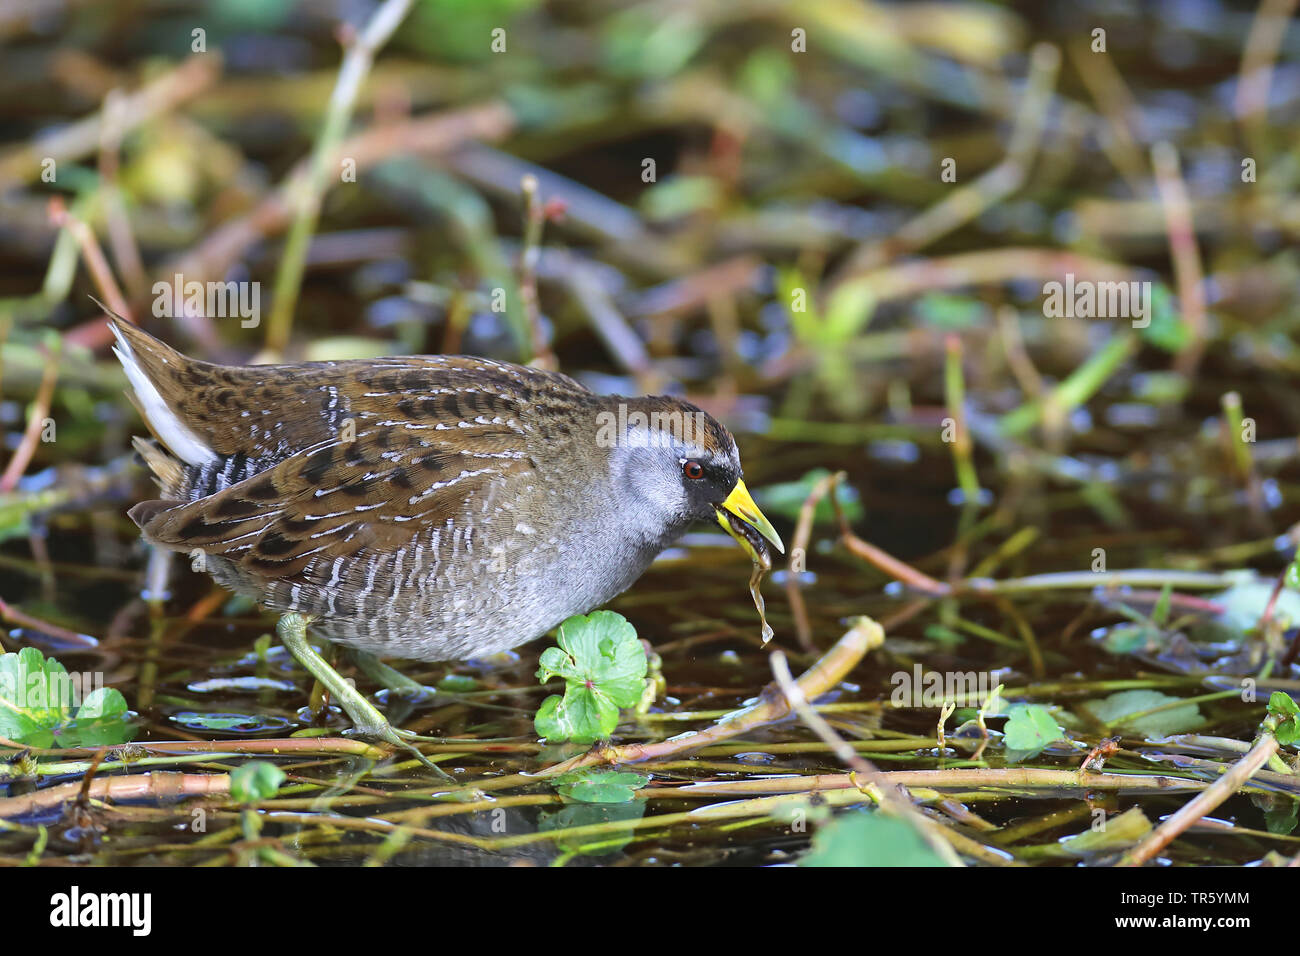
[{"x": 693, "y": 470}]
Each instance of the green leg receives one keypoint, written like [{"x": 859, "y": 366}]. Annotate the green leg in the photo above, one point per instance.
[
  {"x": 390, "y": 677},
  {"x": 396, "y": 681},
  {"x": 366, "y": 719}
]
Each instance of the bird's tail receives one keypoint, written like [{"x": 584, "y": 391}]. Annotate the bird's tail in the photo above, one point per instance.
[{"x": 155, "y": 371}]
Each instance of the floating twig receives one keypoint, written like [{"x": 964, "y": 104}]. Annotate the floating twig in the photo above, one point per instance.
[
  {"x": 890, "y": 800},
  {"x": 158, "y": 785},
  {"x": 1202, "y": 803}
]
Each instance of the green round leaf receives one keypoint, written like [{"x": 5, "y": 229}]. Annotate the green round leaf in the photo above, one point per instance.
[
  {"x": 41, "y": 705},
  {"x": 603, "y": 666},
  {"x": 255, "y": 781},
  {"x": 1030, "y": 728},
  {"x": 870, "y": 839}
]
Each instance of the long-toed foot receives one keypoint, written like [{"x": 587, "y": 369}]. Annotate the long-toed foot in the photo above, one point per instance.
[{"x": 366, "y": 719}]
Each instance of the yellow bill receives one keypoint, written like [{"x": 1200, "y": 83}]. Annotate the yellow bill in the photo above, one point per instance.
[{"x": 741, "y": 518}]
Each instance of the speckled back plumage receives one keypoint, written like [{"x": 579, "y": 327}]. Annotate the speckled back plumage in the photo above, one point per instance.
[{"x": 421, "y": 507}]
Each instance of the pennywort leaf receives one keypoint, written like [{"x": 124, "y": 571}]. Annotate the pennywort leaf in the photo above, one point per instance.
[
  {"x": 255, "y": 781},
  {"x": 600, "y": 786},
  {"x": 42, "y": 705},
  {"x": 870, "y": 839},
  {"x": 603, "y": 666},
  {"x": 1029, "y": 729},
  {"x": 1144, "y": 713},
  {"x": 1286, "y": 717}
]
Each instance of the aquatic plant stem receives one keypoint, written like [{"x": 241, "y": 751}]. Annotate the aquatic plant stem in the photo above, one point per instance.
[
  {"x": 1012, "y": 778},
  {"x": 830, "y": 669},
  {"x": 1076, "y": 389},
  {"x": 1263, "y": 44},
  {"x": 955, "y": 397},
  {"x": 889, "y": 800},
  {"x": 1027, "y": 637},
  {"x": 1132, "y": 577},
  {"x": 22, "y": 456},
  {"x": 158, "y": 785},
  {"x": 1242, "y": 461},
  {"x": 208, "y": 750},
  {"x": 986, "y": 190},
  {"x": 1121, "y": 112},
  {"x": 1202, "y": 803},
  {"x": 530, "y": 251},
  {"x": 881, "y": 559},
  {"x": 93, "y": 256},
  {"x": 1186, "y": 255},
  {"x": 361, "y": 49},
  {"x": 798, "y": 561}
]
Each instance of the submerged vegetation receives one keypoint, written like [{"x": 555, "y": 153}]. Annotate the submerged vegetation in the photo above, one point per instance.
[{"x": 1001, "y": 302}]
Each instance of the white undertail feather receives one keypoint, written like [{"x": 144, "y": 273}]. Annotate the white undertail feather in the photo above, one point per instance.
[{"x": 166, "y": 424}]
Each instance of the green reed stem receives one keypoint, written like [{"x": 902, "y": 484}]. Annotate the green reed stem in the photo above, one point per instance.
[{"x": 356, "y": 65}]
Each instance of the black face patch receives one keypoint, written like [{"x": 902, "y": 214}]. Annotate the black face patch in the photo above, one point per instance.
[{"x": 705, "y": 494}]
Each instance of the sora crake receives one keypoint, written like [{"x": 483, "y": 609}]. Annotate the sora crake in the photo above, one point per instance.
[{"x": 426, "y": 507}]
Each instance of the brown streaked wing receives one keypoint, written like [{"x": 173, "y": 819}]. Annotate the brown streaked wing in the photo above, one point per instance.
[
  {"x": 341, "y": 498},
  {"x": 268, "y": 411}
]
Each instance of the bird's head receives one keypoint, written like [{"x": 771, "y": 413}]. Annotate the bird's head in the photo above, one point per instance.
[{"x": 680, "y": 466}]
